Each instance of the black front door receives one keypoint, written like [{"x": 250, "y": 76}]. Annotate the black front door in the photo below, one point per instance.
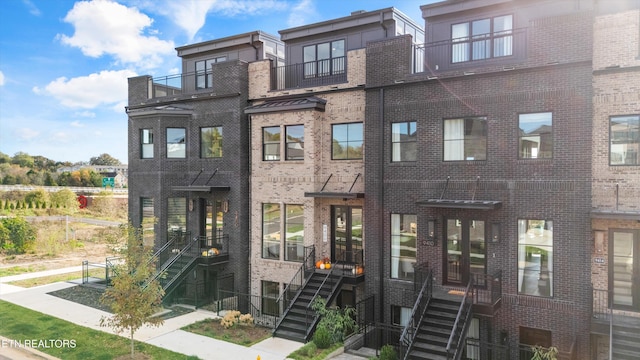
[
  {"x": 465, "y": 251},
  {"x": 346, "y": 237}
]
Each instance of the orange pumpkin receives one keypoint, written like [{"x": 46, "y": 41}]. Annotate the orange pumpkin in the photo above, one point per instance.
[
  {"x": 318, "y": 263},
  {"x": 327, "y": 265}
]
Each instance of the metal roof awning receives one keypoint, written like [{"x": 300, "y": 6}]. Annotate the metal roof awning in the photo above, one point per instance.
[
  {"x": 200, "y": 188},
  {"x": 312, "y": 102},
  {"x": 326, "y": 194},
  {"x": 615, "y": 214},
  {"x": 460, "y": 204}
]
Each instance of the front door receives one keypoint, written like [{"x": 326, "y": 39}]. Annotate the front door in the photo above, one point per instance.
[
  {"x": 624, "y": 260},
  {"x": 465, "y": 251},
  {"x": 211, "y": 220},
  {"x": 346, "y": 238}
]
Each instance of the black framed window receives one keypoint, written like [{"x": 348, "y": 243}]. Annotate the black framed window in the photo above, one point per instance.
[
  {"x": 535, "y": 136},
  {"x": 294, "y": 232},
  {"x": 177, "y": 214},
  {"x": 211, "y": 142},
  {"x": 403, "y": 141},
  {"x": 204, "y": 76},
  {"x": 465, "y": 139},
  {"x": 270, "y": 293},
  {"x": 271, "y": 231},
  {"x": 535, "y": 257},
  {"x": 295, "y": 142},
  {"x": 347, "y": 141},
  {"x": 147, "y": 220},
  {"x": 482, "y": 39},
  {"x": 176, "y": 143},
  {"x": 324, "y": 59},
  {"x": 271, "y": 143},
  {"x": 403, "y": 245},
  {"x": 624, "y": 136},
  {"x": 146, "y": 143}
]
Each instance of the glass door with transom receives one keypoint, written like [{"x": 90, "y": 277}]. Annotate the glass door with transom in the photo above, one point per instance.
[
  {"x": 465, "y": 251},
  {"x": 624, "y": 269},
  {"x": 346, "y": 239}
]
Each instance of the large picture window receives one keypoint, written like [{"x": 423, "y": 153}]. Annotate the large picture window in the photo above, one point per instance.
[
  {"x": 347, "y": 141},
  {"x": 465, "y": 139},
  {"x": 403, "y": 246},
  {"x": 625, "y": 140},
  {"x": 211, "y": 142},
  {"x": 271, "y": 231},
  {"x": 535, "y": 257},
  {"x": 271, "y": 143},
  {"x": 146, "y": 143},
  {"x": 536, "y": 136},
  {"x": 204, "y": 76},
  {"x": 177, "y": 214},
  {"x": 176, "y": 143},
  {"x": 324, "y": 59},
  {"x": 403, "y": 141},
  {"x": 294, "y": 232},
  {"x": 482, "y": 39},
  {"x": 295, "y": 142}
]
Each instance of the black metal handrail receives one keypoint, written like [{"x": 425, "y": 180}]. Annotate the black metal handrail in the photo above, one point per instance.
[
  {"x": 333, "y": 282},
  {"x": 296, "y": 283},
  {"x": 219, "y": 242},
  {"x": 188, "y": 251},
  {"x": 417, "y": 315},
  {"x": 245, "y": 303},
  {"x": 464, "y": 314},
  {"x": 312, "y": 73},
  {"x": 487, "y": 289}
]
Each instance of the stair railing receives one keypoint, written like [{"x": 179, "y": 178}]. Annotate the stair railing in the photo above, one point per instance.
[
  {"x": 332, "y": 282},
  {"x": 189, "y": 251},
  {"x": 417, "y": 315},
  {"x": 295, "y": 284},
  {"x": 455, "y": 343}
]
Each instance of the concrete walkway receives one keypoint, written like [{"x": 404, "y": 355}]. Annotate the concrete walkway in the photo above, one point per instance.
[{"x": 168, "y": 336}]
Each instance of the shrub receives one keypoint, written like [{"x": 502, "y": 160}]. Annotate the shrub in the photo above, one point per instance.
[
  {"x": 387, "y": 352},
  {"x": 21, "y": 235},
  {"x": 339, "y": 322},
  {"x": 235, "y": 317},
  {"x": 37, "y": 196},
  {"x": 322, "y": 337}
]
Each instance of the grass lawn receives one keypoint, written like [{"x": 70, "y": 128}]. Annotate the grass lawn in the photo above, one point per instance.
[
  {"x": 17, "y": 270},
  {"x": 245, "y": 335},
  {"x": 310, "y": 352},
  {"x": 22, "y": 324},
  {"x": 43, "y": 280}
]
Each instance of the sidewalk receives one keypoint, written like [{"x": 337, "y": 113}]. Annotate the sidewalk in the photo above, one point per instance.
[{"x": 168, "y": 336}]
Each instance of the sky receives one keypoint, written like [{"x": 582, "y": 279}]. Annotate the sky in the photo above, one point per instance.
[{"x": 64, "y": 64}]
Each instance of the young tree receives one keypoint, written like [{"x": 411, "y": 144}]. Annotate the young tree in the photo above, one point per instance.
[{"x": 133, "y": 296}]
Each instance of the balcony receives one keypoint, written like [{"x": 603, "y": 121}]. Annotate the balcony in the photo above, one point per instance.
[
  {"x": 487, "y": 50},
  {"x": 487, "y": 293},
  {"x": 213, "y": 249},
  {"x": 313, "y": 73}
]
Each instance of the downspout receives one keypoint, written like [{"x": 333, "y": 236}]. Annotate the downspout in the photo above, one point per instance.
[
  {"x": 255, "y": 47},
  {"x": 386, "y": 31},
  {"x": 249, "y": 178},
  {"x": 381, "y": 208}
]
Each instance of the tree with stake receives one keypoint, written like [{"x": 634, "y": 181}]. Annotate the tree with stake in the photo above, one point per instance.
[{"x": 134, "y": 296}]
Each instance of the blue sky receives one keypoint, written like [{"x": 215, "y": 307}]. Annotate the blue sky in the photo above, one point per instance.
[{"x": 64, "y": 64}]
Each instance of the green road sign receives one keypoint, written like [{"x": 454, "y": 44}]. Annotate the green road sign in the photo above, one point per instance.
[{"x": 108, "y": 181}]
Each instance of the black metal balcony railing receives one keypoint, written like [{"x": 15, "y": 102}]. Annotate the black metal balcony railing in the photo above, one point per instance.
[
  {"x": 419, "y": 308},
  {"x": 313, "y": 73},
  {"x": 255, "y": 305},
  {"x": 214, "y": 245},
  {"x": 600, "y": 305}
]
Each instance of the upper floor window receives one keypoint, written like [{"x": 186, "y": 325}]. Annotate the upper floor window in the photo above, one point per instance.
[
  {"x": 146, "y": 143},
  {"x": 271, "y": 143},
  {"x": 625, "y": 140},
  {"x": 403, "y": 141},
  {"x": 324, "y": 59},
  {"x": 211, "y": 142},
  {"x": 535, "y": 257},
  {"x": 204, "y": 76},
  {"x": 465, "y": 139},
  {"x": 482, "y": 39},
  {"x": 536, "y": 136},
  {"x": 295, "y": 142},
  {"x": 176, "y": 143},
  {"x": 347, "y": 140}
]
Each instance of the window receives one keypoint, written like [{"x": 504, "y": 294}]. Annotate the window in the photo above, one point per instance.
[
  {"x": 482, "y": 39},
  {"x": 147, "y": 220},
  {"x": 271, "y": 143},
  {"x": 403, "y": 141},
  {"x": 176, "y": 143},
  {"x": 465, "y": 139},
  {"x": 324, "y": 59},
  {"x": 347, "y": 140},
  {"x": 400, "y": 315},
  {"x": 294, "y": 233},
  {"x": 177, "y": 214},
  {"x": 625, "y": 140},
  {"x": 270, "y": 293},
  {"x": 271, "y": 231},
  {"x": 403, "y": 246},
  {"x": 146, "y": 143},
  {"x": 295, "y": 142},
  {"x": 536, "y": 136},
  {"x": 211, "y": 142},
  {"x": 204, "y": 76},
  {"x": 535, "y": 257}
]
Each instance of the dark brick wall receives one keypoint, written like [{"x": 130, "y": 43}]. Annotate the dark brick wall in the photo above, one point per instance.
[
  {"x": 555, "y": 189},
  {"x": 155, "y": 177}
]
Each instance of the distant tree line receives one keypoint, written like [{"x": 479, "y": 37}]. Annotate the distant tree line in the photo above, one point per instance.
[{"x": 24, "y": 169}]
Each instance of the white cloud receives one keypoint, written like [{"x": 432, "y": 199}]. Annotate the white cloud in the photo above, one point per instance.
[
  {"x": 84, "y": 114},
  {"x": 301, "y": 13},
  {"x": 106, "y": 27},
  {"x": 26, "y": 133},
  {"x": 1, "y": 78},
  {"x": 88, "y": 92},
  {"x": 77, "y": 124},
  {"x": 33, "y": 10}
]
